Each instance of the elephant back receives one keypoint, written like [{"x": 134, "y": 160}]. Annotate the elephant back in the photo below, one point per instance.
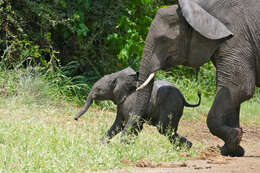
[{"x": 164, "y": 93}]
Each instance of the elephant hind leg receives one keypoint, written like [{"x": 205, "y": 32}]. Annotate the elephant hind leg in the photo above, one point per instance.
[
  {"x": 174, "y": 137},
  {"x": 179, "y": 140},
  {"x": 168, "y": 125}
]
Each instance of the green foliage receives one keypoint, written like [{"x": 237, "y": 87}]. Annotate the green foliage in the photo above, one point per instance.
[
  {"x": 79, "y": 41},
  {"x": 82, "y": 39},
  {"x": 185, "y": 79},
  {"x": 128, "y": 41},
  {"x": 26, "y": 36},
  {"x": 41, "y": 85}
]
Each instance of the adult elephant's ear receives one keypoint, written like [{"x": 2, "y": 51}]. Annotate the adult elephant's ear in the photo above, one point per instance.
[{"x": 203, "y": 22}]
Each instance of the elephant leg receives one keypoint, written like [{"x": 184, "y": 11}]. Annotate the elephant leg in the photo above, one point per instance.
[
  {"x": 172, "y": 135},
  {"x": 116, "y": 127},
  {"x": 235, "y": 71},
  {"x": 179, "y": 140},
  {"x": 165, "y": 121},
  {"x": 168, "y": 125},
  {"x": 223, "y": 122},
  {"x": 176, "y": 138},
  {"x": 132, "y": 128},
  {"x": 137, "y": 128},
  {"x": 233, "y": 119}
]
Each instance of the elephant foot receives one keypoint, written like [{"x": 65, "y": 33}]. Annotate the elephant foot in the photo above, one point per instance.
[
  {"x": 232, "y": 147},
  {"x": 181, "y": 141},
  {"x": 128, "y": 140},
  {"x": 239, "y": 152},
  {"x": 124, "y": 140},
  {"x": 185, "y": 142},
  {"x": 104, "y": 141}
]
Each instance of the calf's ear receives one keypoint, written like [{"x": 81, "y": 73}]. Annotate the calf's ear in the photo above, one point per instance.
[{"x": 125, "y": 85}]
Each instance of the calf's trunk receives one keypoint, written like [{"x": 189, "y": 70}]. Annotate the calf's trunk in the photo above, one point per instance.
[{"x": 85, "y": 108}]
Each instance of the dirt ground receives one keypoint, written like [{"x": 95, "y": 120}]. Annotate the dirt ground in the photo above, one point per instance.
[{"x": 208, "y": 160}]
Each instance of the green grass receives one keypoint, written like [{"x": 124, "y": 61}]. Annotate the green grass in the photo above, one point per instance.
[
  {"x": 38, "y": 133},
  {"x": 250, "y": 112},
  {"x": 45, "y": 138}
]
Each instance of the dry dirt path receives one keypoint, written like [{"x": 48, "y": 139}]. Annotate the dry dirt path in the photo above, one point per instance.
[
  {"x": 250, "y": 163},
  {"x": 209, "y": 160}
]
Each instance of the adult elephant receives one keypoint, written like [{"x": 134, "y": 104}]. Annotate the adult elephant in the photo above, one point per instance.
[{"x": 227, "y": 32}]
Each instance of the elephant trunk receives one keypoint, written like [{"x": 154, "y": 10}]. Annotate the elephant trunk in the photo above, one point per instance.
[
  {"x": 85, "y": 108},
  {"x": 143, "y": 96},
  {"x": 149, "y": 65},
  {"x": 151, "y": 77}
]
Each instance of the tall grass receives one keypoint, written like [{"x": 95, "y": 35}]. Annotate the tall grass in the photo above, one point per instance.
[{"x": 41, "y": 85}]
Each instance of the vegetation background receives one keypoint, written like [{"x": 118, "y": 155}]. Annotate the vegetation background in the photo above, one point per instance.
[
  {"x": 51, "y": 53},
  {"x": 77, "y": 42}
]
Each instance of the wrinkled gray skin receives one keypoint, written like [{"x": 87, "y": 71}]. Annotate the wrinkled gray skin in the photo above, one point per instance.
[
  {"x": 164, "y": 110},
  {"x": 227, "y": 32},
  {"x": 115, "y": 87}
]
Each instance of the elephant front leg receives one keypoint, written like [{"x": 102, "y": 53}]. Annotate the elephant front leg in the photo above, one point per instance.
[
  {"x": 133, "y": 127},
  {"x": 117, "y": 127},
  {"x": 223, "y": 122}
]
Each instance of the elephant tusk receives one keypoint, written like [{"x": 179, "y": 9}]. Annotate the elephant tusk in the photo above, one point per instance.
[{"x": 146, "y": 82}]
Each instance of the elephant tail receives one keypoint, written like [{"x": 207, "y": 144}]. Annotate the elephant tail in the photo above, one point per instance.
[{"x": 193, "y": 105}]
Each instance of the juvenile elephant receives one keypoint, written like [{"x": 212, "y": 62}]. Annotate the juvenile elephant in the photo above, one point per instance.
[
  {"x": 191, "y": 33},
  {"x": 164, "y": 110}
]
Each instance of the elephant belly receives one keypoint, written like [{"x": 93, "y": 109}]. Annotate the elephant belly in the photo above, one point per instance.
[{"x": 253, "y": 34}]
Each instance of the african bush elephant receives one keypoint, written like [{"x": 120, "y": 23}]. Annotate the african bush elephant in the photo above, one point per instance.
[
  {"x": 227, "y": 32},
  {"x": 164, "y": 111}
]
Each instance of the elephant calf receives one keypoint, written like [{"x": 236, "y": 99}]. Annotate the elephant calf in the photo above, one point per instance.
[{"x": 164, "y": 111}]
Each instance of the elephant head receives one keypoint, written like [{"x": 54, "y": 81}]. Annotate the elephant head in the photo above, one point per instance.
[
  {"x": 184, "y": 34},
  {"x": 116, "y": 87}
]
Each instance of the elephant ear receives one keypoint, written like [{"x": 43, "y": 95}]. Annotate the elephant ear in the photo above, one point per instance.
[
  {"x": 203, "y": 22},
  {"x": 125, "y": 85}
]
